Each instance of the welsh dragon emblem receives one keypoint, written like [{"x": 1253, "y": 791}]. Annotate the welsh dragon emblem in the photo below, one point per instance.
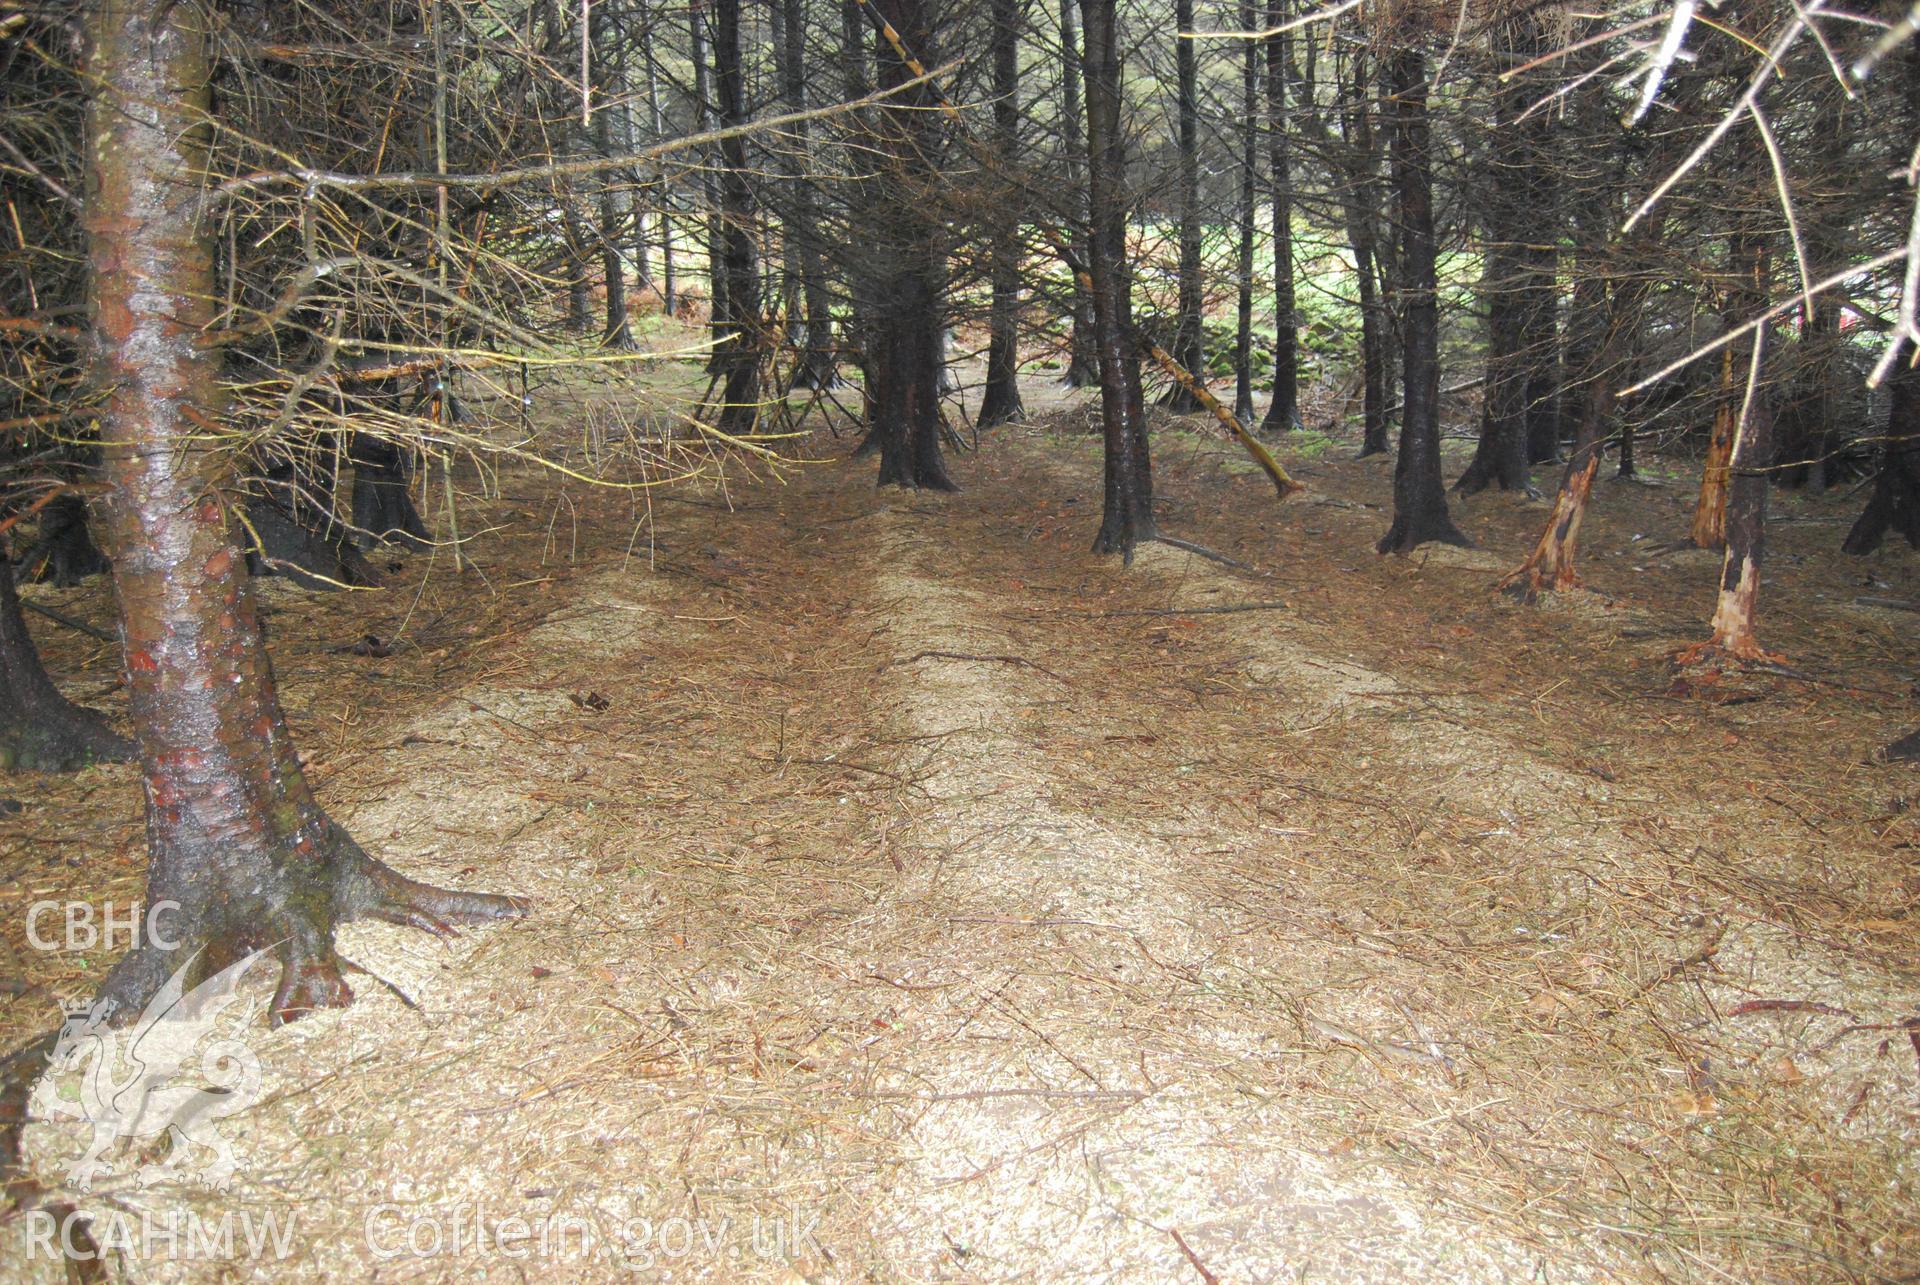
[{"x": 135, "y": 1083}]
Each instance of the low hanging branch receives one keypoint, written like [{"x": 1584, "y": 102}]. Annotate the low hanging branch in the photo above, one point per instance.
[
  {"x": 1282, "y": 483},
  {"x": 402, "y": 179}
]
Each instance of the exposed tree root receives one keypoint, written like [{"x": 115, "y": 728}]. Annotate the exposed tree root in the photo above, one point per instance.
[
  {"x": 1409, "y": 533},
  {"x": 1719, "y": 654},
  {"x": 290, "y": 899}
]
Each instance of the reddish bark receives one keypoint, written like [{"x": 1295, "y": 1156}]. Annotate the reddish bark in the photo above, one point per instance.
[
  {"x": 234, "y": 835},
  {"x": 1550, "y": 567},
  {"x": 1709, "y": 529}
]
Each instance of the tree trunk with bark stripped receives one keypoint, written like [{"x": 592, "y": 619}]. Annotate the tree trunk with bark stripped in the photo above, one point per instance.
[{"x": 1709, "y": 529}]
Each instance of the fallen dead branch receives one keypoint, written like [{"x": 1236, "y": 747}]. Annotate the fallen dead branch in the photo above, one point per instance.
[
  {"x": 982, "y": 657},
  {"x": 1178, "y": 611}
]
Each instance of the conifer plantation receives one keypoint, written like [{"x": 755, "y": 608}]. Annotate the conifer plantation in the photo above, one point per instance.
[{"x": 959, "y": 639}]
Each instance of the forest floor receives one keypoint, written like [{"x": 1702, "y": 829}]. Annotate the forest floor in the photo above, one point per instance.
[{"x": 920, "y": 897}]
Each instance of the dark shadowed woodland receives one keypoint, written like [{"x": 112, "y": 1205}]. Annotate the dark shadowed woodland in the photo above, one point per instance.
[{"x": 849, "y": 640}]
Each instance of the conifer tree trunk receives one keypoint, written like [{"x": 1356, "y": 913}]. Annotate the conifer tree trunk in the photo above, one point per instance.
[
  {"x": 1894, "y": 504},
  {"x": 613, "y": 211},
  {"x": 817, "y": 359},
  {"x": 234, "y": 835},
  {"x": 906, "y": 348},
  {"x": 1513, "y": 222},
  {"x": 1082, "y": 363},
  {"x": 1552, "y": 566},
  {"x": 1000, "y": 400},
  {"x": 1127, "y": 509},
  {"x": 1359, "y": 206},
  {"x": 1188, "y": 334},
  {"x": 1249, "y": 134},
  {"x": 579, "y": 286},
  {"x": 1709, "y": 528},
  {"x": 1419, "y": 496},
  {"x": 738, "y": 341},
  {"x": 720, "y": 308},
  {"x": 669, "y": 283},
  {"x": 1736, "y": 609},
  {"x": 1283, "y": 412}
]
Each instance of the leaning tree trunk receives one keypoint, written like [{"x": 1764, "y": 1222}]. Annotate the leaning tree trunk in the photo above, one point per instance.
[
  {"x": 1283, "y": 412},
  {"x": 737, "y": 336},
  {"x": 1419, "y": 495},
  {"x": 41, "y": 730},
  {"x": 234, "y": 835},
  {"x": 1243, "y": 263},
  {"x": 1188, "y": 332},
  {"x": 1000, "y": 400},
  {"x": 906, "y": 335},
  {"x": 1127, "y": 512},
  {"x": 1551, "y": 567},
  {"x": 1083, "y": 364}
]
